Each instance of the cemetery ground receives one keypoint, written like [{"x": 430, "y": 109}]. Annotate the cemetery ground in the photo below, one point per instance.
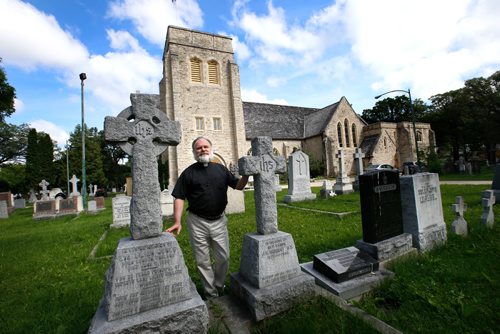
[{"x": 51, "y": 281}]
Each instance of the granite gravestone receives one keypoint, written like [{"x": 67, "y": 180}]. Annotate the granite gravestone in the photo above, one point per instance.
[
  {"x": 44, "y": 209},
  {"x": 148, "y": 288},
  {"x": 459, "y": 224},
  {"x": 299, "y": 179},
  {"x": 488, "y": 200},
  {"x": 7, "y": 197},
  {"x": 19, "y": 203},
  {"x": 4, "y": 213},
  {"x": 32, "y": 198},
  {"x": 74, "y": 187},
  {"x": 92, "y": 206},
  {"x": 68, "y": 206},
  {"x": 423, "y": 210},
  {"x": 270, "y": 279},
  {"x": 495, "y": 185},
  {"x": 381, "y": 216},
  {"x": 167, "y": 203},
  {"x": 343, "y": 184},
  {"x": 326, "y": 190},
  {"x": 121, "y": 211},
  {"x": 358, "y": 157}
]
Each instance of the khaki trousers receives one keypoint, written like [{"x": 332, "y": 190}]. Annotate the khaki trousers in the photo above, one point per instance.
[{"x": 206, "y": 235}]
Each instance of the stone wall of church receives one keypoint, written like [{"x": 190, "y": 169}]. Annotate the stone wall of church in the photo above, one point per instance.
[{"x": 203, "y": 109}]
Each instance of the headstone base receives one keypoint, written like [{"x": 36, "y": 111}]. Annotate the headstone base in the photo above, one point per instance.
[
  {"x": 388, "y": 249},
  {"x": 266, "y": 302},
  {"x": 343, "y": 186},
  {"x": 188, "y": 316},
  {"x": 429, "y": 238},
  {"x": 349, "y": 289},
  {"x": 299, "y": 197}
]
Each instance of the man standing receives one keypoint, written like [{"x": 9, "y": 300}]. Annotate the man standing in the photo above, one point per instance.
[{"x": 204, "y": 184}]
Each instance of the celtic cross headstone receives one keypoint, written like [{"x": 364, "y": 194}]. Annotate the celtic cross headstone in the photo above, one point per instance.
[
  {"x": 74, "y": 180},
  {"x": 45, "y": 192},
  {"x": 263, "y": 165},
  {"x": 143, "y": 132}
]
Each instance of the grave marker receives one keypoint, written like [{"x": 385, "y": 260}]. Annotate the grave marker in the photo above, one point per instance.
[
  {"x": 167, "y": 203},
  {"x": 68, "y": 206},
  {"x": 488, "y": 200},
  {"x": 7, "y": 197},
  {"x": 343, "y": 184},
  {"x": 270, "y": 279},
  {"x": 422, "y": 210},
  {"x": 358, "y": 157},
  {"x": 44, "y": 209},
  {"x": 148, "y": 288},
  {"x": 4, "y": 212},
  {"x": 299, "y": 178},
  {"x": 459, "y": 225},
  {"x": 326, "y": 190},
  {"x": 74, "y": 186},
  {"x": 121, "y": 211},
  {"x": 19, "y": 203},
  {"x": 44, "y": 191}
]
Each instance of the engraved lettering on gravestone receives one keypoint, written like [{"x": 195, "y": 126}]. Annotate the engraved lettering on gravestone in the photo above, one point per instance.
[
  {"x": 67, "y": 204},
  {"x": 427, "y": 193},
  {"x": 44, "y": 206}
]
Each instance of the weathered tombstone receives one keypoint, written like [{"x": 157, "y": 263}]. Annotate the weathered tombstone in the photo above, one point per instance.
[
  {"x": 167, "y": 203},
  {"x": 44, "y": 209},
  {"x": 343, "y": 184},
  {"x": 381, "y": 216},
  {"x": 121, "y": 211},
  {"x": 94, "y": 191},
  {"x": 422, "y": 210},
  {"x": 68, "y": 206},
  {"x": 4, "y": 212},
  {"x": 7, "y": 197},
  {"x": 488, "y": 200},
  {"x": 326, "y": 190},
  {"x": 270, "y": 279},
  {"x": 459, "y": 225},
  {"x": 148, "y": 288},
  {"x": 92, "y": 206},
  {"x": 74, "y": 187},
  {"x": 277, "y": 185},
  {"x": 44, "y": 191},
  {"x": 358, "y": 157},
  {"x": 19, "y": 203},
  {"x": 99, "y": 202},
  {"x": 299, "y": 178},
  {"x": 32, "y": 198},
  {"x": 495, "y": 185},
  {"x": 91, "y": 188}
]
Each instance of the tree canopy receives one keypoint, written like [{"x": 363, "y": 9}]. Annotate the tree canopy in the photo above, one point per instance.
[{"x": 7, "y": 96}]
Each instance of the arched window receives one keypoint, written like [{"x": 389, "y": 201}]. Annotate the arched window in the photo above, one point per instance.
[
  {"x": 419, "y": 135},
  {"x": 339, "y": 133},
  {"x": 354, "y": 141},
  {"x": 213, "y": 72},
  {"x": 346, "y": 131},
  {"x": 195, "y": 70}
]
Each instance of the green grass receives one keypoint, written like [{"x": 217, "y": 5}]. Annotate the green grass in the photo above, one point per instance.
[
  {"x": 486, "y": 174},
  {"x": 50, "y": 286}
]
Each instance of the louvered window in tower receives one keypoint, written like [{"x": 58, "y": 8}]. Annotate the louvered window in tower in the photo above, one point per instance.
[
  {"x": 213, "y": 72},
  {"x": 195, "y": 70}
]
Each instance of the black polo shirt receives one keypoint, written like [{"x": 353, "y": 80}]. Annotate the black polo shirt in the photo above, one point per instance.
[{"x": 205, "y": 188}]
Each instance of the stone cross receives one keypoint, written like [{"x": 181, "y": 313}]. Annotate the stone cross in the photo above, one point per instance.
[
  {"x": 143, "y": 132},
  {"x": 459, "y": 225},
  {"x": 45, "y": 192},
  {"x": 342, "y": 172},
  {"x": 263, "y": 165},
  {"x": 91, "y": 186},
  {"x": 358, "y": 156},
  {"x": 488, "y": 200},
  {"x": 74, "y": 180}
]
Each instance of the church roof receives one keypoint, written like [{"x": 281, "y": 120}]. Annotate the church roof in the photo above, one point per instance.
[
  {"x": 316, "y": 122},
  {"x": 368, "y": 144},
  {"x": 275, "y": 121}
]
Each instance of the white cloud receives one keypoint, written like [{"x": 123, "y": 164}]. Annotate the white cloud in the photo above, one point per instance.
[
  {"x": 123, "y": 41},
  {"x": 30, "y": 38},
  {"x": 152, "y": 17},
  {"x": 251, "y": 95},
  {"x": 18, "y": 105},
  {"x": 56, "y": 133}
]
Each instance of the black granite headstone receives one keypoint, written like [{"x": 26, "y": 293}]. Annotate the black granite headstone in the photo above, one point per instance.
[
  {"x": 344, "y": 264},
  {"x": 381, "y": 212}
]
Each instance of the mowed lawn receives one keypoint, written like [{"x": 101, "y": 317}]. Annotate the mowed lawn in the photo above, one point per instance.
[{"x": 50, "y": 285}]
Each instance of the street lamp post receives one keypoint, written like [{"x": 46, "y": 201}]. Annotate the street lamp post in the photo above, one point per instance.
[
  {"x": 67, "y": 167},
  {"x": 83, "y": 76},
  {"x": 412, "y": 116}
]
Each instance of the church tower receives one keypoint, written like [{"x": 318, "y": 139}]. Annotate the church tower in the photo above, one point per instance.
[{"x": 200, "y": 88}]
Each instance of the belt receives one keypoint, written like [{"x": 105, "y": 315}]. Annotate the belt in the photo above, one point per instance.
[{"x": 208, "y": 217}]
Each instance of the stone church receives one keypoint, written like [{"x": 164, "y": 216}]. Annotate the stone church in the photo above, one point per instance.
[{"x": 200, "y": 88}]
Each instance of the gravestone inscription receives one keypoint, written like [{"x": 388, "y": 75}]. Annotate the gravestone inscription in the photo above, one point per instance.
[
  {"x": 270, "y": 279},
  {"x": 121, "y": 211},
  {"x": 44, "y": 209},
  {"x": 299, "y": 178}
]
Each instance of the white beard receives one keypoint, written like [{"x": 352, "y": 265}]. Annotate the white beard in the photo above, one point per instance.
[{"x": 204, "y": 159}]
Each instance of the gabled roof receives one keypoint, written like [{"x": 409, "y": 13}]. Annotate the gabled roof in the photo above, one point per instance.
[
  {"x": 368, "y": 145},
  {"x": 275, "y": 121},
  {"x": 316, "y": 122}
]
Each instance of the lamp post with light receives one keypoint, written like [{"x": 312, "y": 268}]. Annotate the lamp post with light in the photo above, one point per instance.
[
  {"x": 83, "y": 76},
  {"x": 412, "y": 116}
]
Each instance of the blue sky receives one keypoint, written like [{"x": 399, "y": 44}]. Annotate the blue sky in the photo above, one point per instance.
[{"x": 301, "y": 53}]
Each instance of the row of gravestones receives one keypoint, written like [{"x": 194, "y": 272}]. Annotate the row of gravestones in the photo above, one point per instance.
[{"x": 147, "y": 284}]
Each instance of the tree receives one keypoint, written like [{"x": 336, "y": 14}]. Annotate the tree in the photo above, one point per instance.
[
  {"x": 12, "y": 178},
  {"x": 394, "y": 110},
  {"x": 7, "y": 96},
  {"x": 32, "y": 175},
  {"x": 13, "y": 143},
  {"x": 113, "y": 157},
  {"x": 46, "y": 158}
]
